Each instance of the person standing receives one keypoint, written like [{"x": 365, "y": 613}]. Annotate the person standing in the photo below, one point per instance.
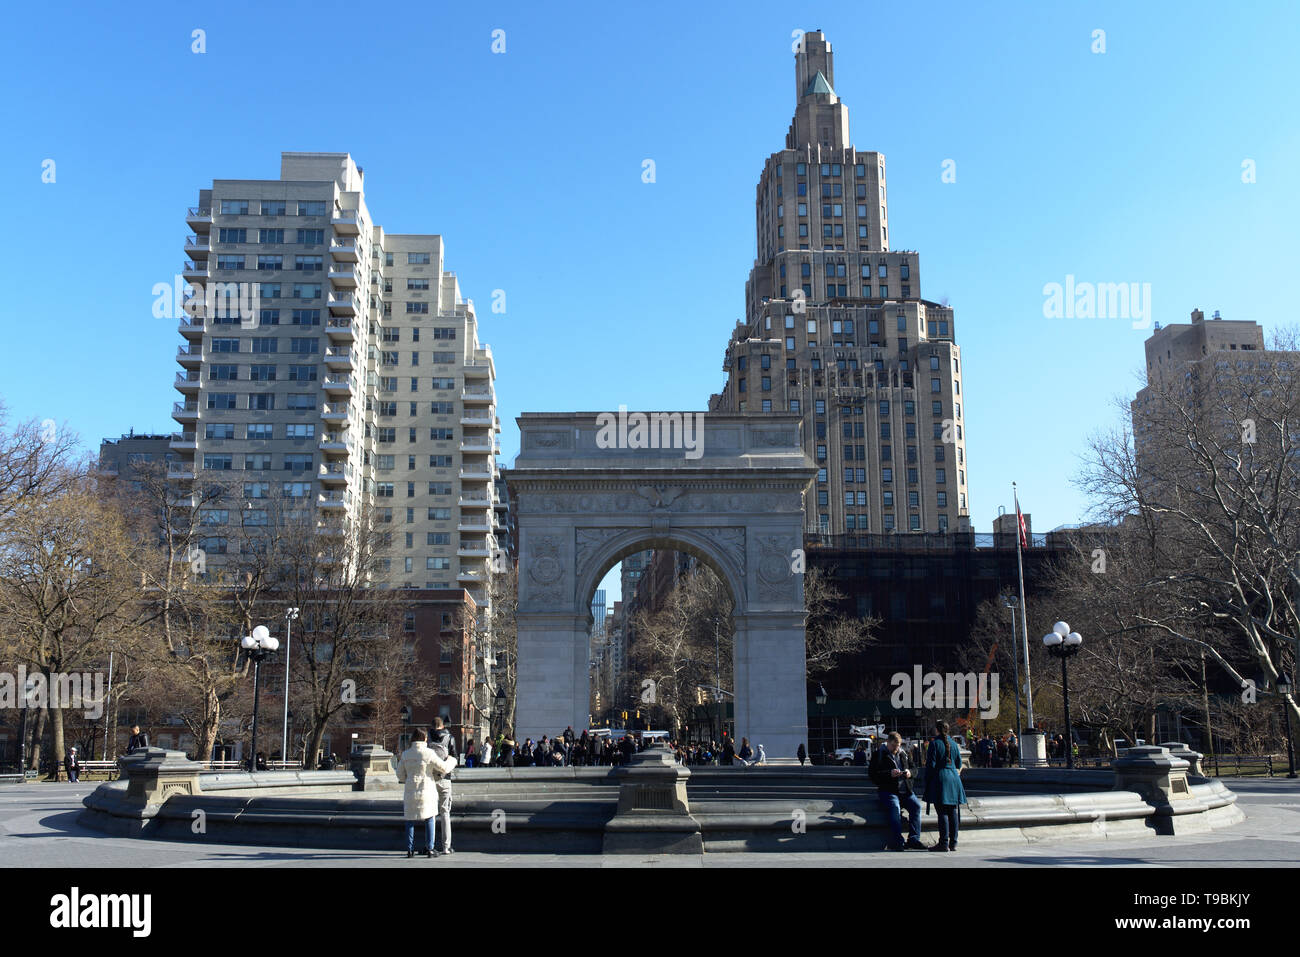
[
  {"x": 891, "y": 770},
  {"x": 417, "y": 769},
  {"x": 72, "y": 764},
  {"x": 745, "y": 753},
  {"x": 443, "y": 746},
  {"x": 943, "y": 787},
  {"x": 728, "y": 752},
  {"x": 801, "y": 754},
  {"x": 860, "y": 759},
  {"x": 471, "y": 754},
  {"x": 138, "y": 739},
  {"x": 485, "y": 756}
]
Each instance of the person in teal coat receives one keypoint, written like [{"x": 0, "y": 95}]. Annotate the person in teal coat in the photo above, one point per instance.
[{"x": 943, "y": 786}]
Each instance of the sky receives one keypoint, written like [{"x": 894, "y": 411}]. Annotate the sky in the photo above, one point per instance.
[{"x": 1163, "y": 151}]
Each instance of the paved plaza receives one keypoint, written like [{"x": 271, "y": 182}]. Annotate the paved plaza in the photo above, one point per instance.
[{"x": 38, "y": 828}]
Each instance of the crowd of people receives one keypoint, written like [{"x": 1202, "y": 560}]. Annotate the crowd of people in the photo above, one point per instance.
[{"x": 996, "y": 751}]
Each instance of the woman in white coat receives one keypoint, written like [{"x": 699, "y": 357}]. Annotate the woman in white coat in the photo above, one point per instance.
[{"x": 419, "y": 768}]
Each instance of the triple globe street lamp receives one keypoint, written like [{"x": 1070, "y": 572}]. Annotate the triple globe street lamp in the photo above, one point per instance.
[
  {"x": 1063, "y": 643},
  {"x": 1283, "y": 687},
  {"x": 257, "y": 646}
]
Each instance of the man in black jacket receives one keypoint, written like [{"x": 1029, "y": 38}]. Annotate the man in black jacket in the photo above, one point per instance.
[
  {"x": 138, "y": 739},
  {"x": 891, "y": 770}
]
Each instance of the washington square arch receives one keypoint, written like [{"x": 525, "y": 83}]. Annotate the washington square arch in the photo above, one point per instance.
[{"x": 586, "y": 495}]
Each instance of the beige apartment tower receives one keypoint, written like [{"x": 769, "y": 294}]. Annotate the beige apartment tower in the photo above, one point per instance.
[
  {"x": 836, "y": 329},
  {"x": 350, "y": 376}
]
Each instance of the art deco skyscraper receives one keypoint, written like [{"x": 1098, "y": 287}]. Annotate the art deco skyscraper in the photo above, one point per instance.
[
  {"x": 357, "y": 381},
  {"x": 836, "y": 329}
]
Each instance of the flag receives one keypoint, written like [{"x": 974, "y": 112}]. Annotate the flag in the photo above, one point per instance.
[{"x": 1020, "y": 523}]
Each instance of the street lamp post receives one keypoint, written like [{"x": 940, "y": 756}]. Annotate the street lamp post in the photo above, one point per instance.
[
  {"x": 290, "y": 614},
  {"x": 499, "y": 709},
  {"x": 258, "y": 646},
  {"x": 1283, "y": 685},
  {"x": 821, "y": 717},
  {"x": 1012, "y": 602},
  {"x": 1063, "y": 643}
]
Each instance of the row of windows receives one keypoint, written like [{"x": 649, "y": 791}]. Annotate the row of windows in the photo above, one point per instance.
[
  {"x": 230, "y": 373},
  {"x": 306, "y": 237},
  {"x": 259, "y": 431},
  {"x": 858, "y": 498},
  {"x": 257, "y": 462},
  {"x": 262, "y": 401}
]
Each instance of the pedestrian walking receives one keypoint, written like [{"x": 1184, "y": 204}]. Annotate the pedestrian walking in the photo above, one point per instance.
[
  {"x": 442, "y": 744},
  {"x": 745, "y": 753},
  {"x": 943, "y": 787},
  {"x": 471, "y": 753},
  {"x": 418, "y": 769},
  {"x": 801, "y": 754},
  {"x": 891, "y": 771}
]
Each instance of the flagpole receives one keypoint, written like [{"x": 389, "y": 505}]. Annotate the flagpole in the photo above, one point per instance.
[{"x": 1024, "y": 618}]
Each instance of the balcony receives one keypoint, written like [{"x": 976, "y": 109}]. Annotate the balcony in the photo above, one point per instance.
[
  {"x": 476, "y": 444},
  {"x": 478, "y": 550},
  {"x": 476, "y": 473},
  {"x": 333, "y": 500},
  {"x": 346, "y": 222},
  {"x": 180, "y": 472},
  {"x": 199, "y": 217},
  {"x": 475, "y": 502},
  {"x": 185, "y": 412},
  {"x": 193, "y": 270},
  {"x": 343, "y": 304},
  {"x": 340, "y": 330},
  {"x": 191, "y": 327},
  {"x": 477, "y": 396},
  {"x": 332, "y": 443},
  {"x": 338, "y": 384},
  {"x": 197, "y": 247},
  {"x": 184, "y": 441},
  {"x": 470, "y": 576},
  {"x": 478, "y": 369},
  {"x": 190, "y": 355},
  {"x": 335, "y": 412},
  {"x": 188, "y": 382},
  {"x": 480, "y": 527},
  {"x": 345, "y": 250},
  {"x": 339, "y": 360},
  {"x": 344, "y": 275},
  {"x": 332, "y": 473},
  {"x": 478, "y": 419},
  {"x": 330, "y": 529}
]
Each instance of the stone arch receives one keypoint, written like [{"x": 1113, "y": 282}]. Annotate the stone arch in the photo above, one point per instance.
[{"x": 735, "y": 500}]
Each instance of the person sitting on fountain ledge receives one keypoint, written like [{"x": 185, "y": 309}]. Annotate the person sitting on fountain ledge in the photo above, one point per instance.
[{"x": 891, "y": 770}]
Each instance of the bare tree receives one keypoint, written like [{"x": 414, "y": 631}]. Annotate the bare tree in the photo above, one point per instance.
[{"x": 1208, "y": 477}]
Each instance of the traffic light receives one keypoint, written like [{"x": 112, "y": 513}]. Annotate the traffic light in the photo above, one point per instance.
[{"x": 624, "y": 715}]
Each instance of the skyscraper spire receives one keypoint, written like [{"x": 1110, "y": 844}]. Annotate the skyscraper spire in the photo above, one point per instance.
[{"x": 820, "y": 119}]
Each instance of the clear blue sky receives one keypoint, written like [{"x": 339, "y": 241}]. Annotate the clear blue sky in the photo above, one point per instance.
[{"x": 1122, "y": 166}]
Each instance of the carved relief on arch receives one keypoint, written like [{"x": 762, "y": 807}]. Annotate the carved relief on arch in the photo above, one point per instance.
[
  {"x": 730, "y": 545},
  {"x": 546, "y": 571},
  {"x": 774, "y": 573},
  {"x": 587, "y": 543}
]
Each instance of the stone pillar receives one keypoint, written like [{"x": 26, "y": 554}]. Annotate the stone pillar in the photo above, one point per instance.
[
  {"x": 373, "y": 767},
  {"x": 551, "y": 692},
  {"x": 654, "y": 816},
  {"x": 1159, "y": 777},
  {"x": 1033, "y": 749},
  {"x": 771, "y": 702},
  {"x": 155, "y": 774},
  {"x": 1193, "y": 758}
]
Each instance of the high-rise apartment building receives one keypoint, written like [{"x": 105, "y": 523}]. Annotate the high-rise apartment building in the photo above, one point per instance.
[
  {"x": 350, "y": 375},
  {"x": 836, "y": 329}
]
